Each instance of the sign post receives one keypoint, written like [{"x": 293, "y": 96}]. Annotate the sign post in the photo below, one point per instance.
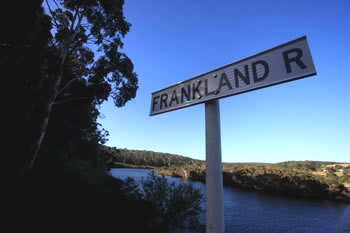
[
  {"x": 213, "y": 173},
  {"x": 286, "y": 62}
]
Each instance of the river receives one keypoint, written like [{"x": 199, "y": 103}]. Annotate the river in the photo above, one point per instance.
[{"x": 250, "y": 211}]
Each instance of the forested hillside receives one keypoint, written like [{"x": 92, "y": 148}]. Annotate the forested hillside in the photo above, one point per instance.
[{"x": 141, "y": 158}]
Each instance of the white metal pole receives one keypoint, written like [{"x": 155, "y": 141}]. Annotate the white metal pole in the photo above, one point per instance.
[{"x": 214, "y": 183}]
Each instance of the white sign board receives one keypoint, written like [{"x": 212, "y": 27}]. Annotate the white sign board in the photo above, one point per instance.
[{"x": 284, "y": 63}]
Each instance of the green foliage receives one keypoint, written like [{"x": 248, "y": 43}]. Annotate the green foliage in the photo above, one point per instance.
[
  {"x": 101, "y": 23},
  {"x": 178, "y": 205},
  {"x": 57, "y": 67},
  {"x": 78, "y": 82},
  {"x": 347, "y": 171},
  {"x": 306, "y": 165},
  {"x": 146, "y": 158},
  {"x": 345, "y": 179},
  {"x": 338, "y": 167}
]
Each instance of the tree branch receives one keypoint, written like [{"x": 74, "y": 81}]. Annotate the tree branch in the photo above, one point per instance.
[
  {"x": 64, "y": 51},
  {"x": 51, "y": 12},
  {"x": 72, "y": 50},
  {"x": 80, "y": 18},
  {"x": 74, "y": 18},
  {"x": 65, "y": 86}
]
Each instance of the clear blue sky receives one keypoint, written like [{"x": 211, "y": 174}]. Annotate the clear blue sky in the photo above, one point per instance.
[{"x": 171, "y": 41}]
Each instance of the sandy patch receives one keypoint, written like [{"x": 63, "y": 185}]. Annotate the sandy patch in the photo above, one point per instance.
[
  {"x": 339, "y": 174},
  {"x": 320, "y": 173}
]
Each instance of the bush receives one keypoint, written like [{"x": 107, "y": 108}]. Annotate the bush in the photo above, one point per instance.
[{"x": 178, "y": 206}]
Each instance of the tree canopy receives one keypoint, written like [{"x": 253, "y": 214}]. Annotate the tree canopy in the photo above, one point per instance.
[{"x": 60, "y": 60}]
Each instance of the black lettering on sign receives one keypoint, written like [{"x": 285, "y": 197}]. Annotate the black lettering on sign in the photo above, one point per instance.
[
  {"x": 224, "y": 82},
  {"x": 206, "y": 88},
  {"x": 245, "y": 77},
  {"x": 154, "y": 102},
  {"x": 266, "y": 70},
  {"x": 296, "y": 59},
  {"x": 173, "y": 98},
  {"x": 195, "y": 89},
  {"x": 163, "y": 100},
  {"x": 185, "y": 94}
]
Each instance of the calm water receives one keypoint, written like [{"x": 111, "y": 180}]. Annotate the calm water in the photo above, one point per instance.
[{"x": 247, "y": 211}]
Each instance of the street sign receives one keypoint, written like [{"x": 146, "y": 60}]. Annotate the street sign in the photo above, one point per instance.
[{"x": 284, "y": 63}]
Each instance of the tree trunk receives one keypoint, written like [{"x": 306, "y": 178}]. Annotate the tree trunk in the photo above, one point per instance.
[
  {"x": 41, "y": 136},
  {"x": 54, "y": 92},
  {"x": 44, "y": 123}
]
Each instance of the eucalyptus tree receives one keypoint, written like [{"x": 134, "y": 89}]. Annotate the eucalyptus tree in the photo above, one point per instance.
[{"x": 84, "y": 59}]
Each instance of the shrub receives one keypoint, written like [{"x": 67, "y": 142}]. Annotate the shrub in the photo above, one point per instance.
[{"x": 178, "y": 205}]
